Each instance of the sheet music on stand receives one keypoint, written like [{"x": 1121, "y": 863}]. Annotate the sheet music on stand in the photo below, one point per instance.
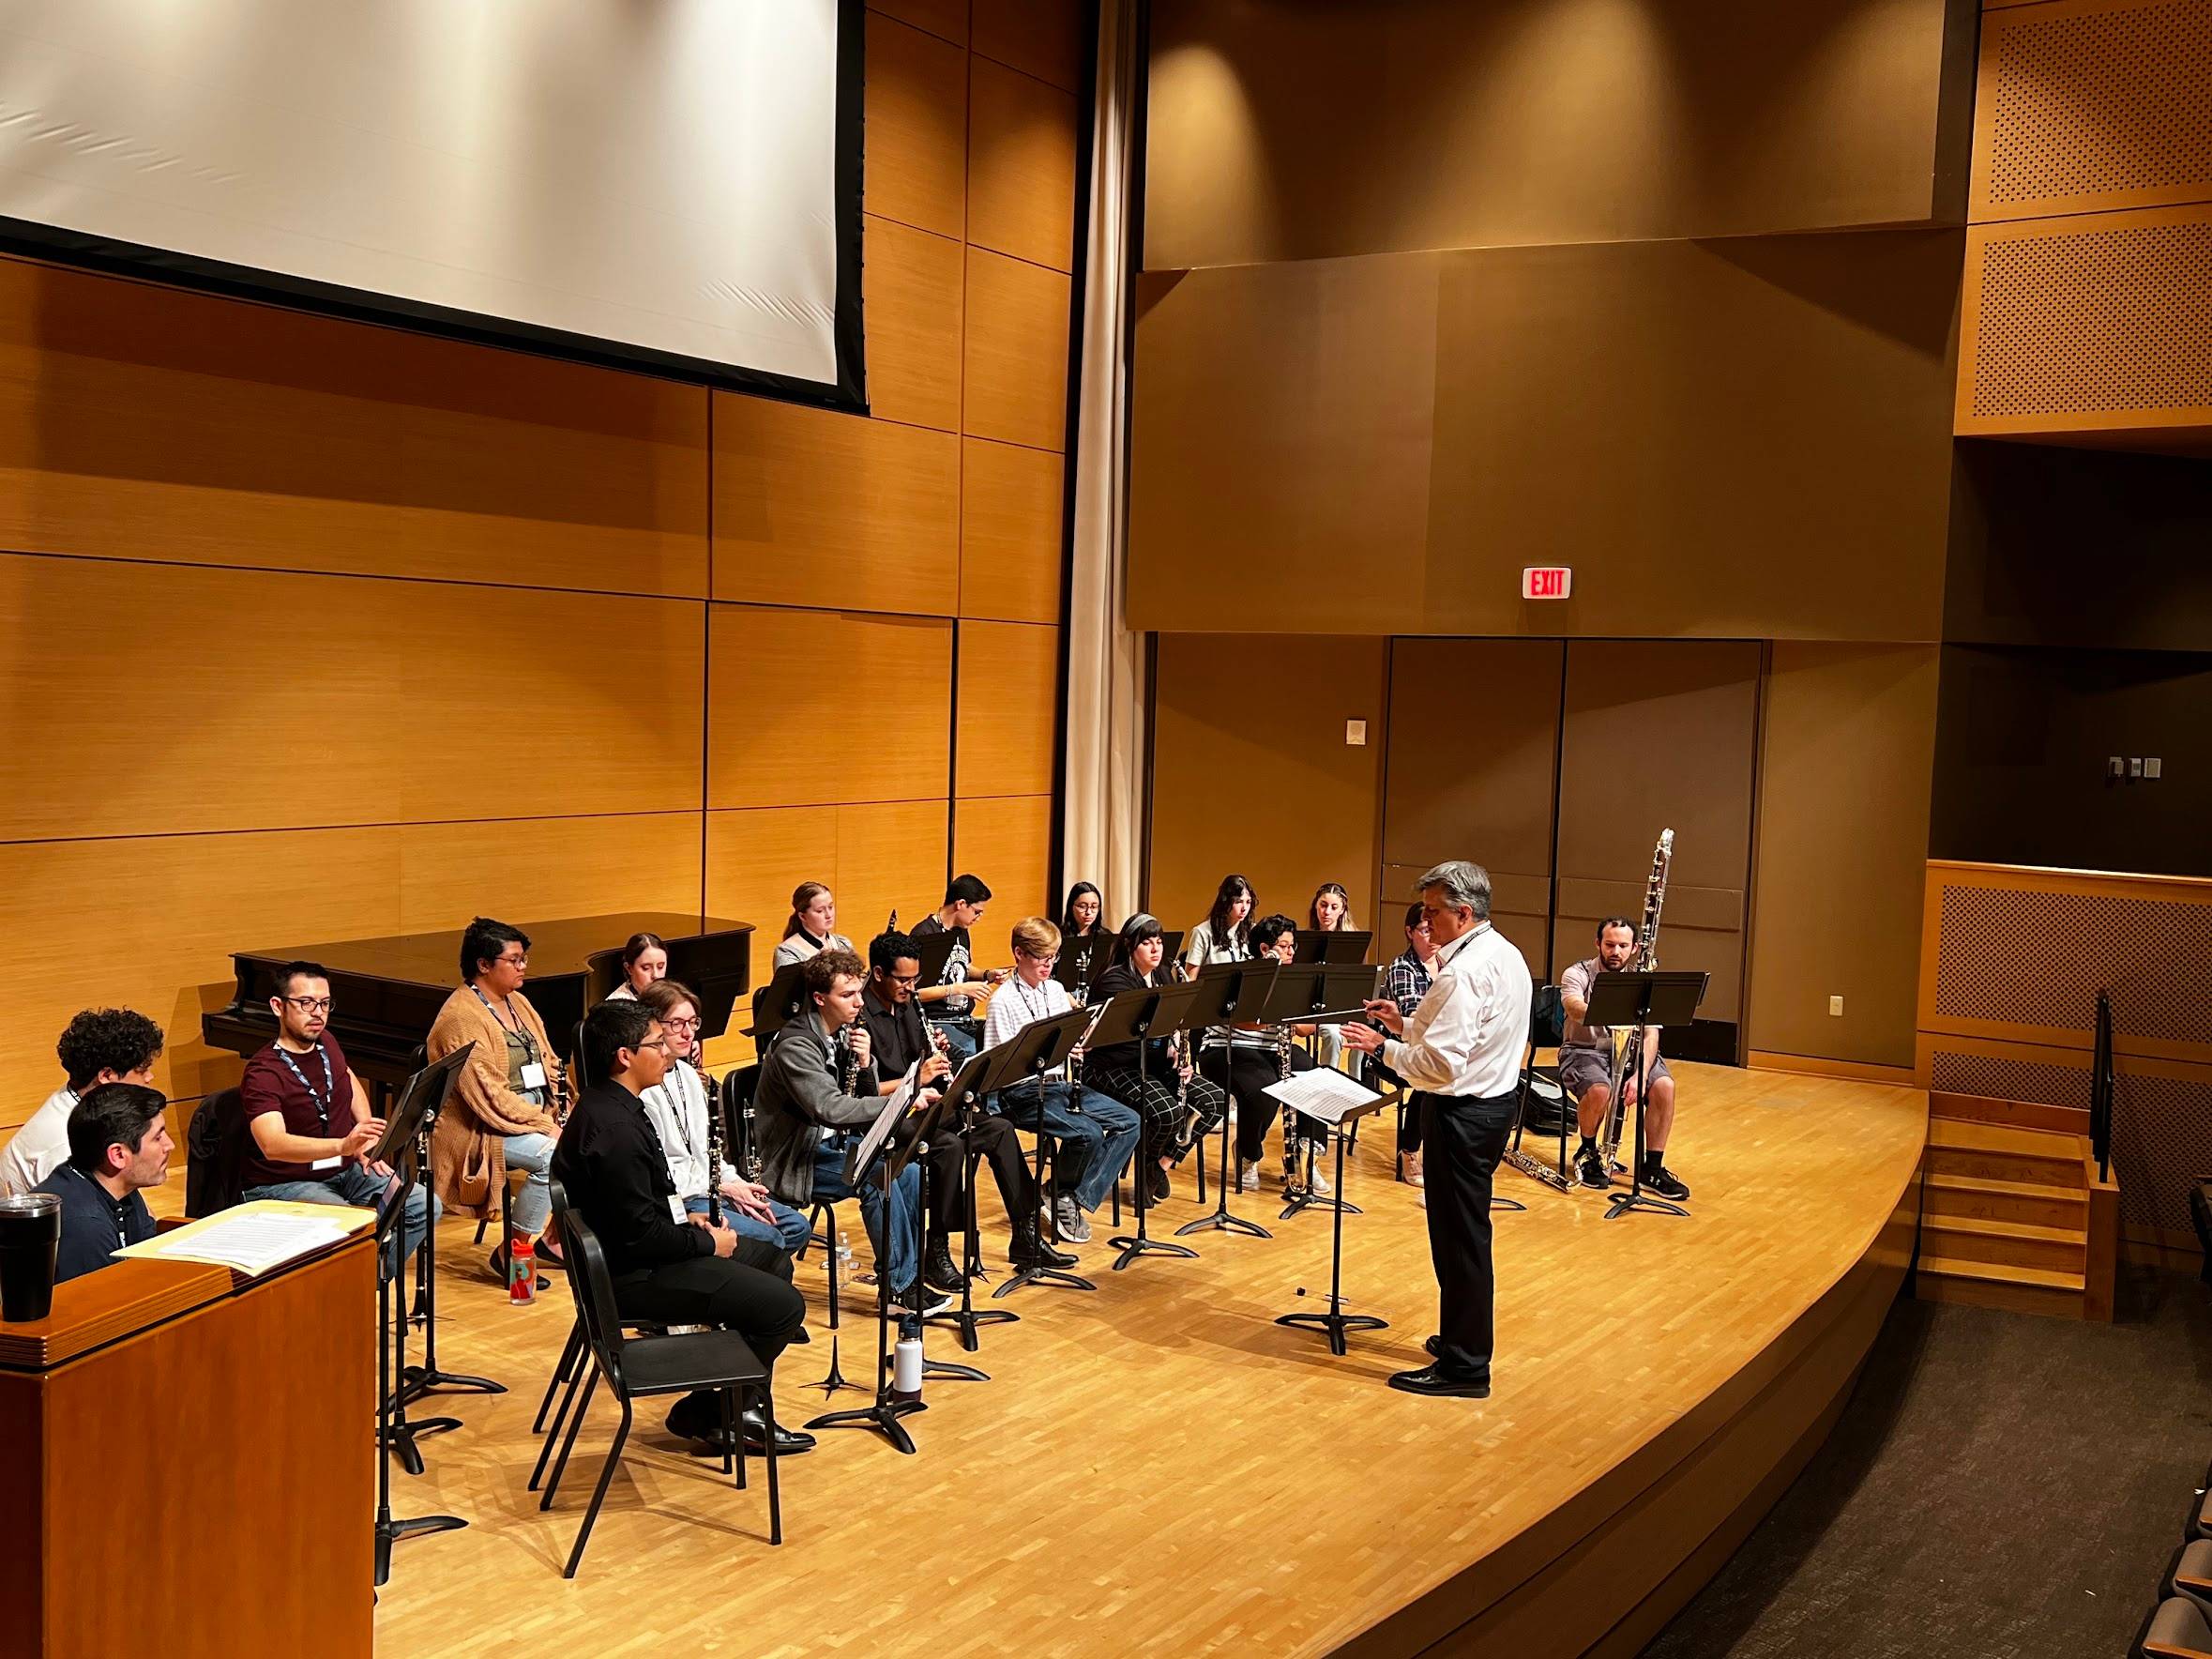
[
  {"x": 885, "y": 1120},
  {"x": 1325, "y": 1094}
]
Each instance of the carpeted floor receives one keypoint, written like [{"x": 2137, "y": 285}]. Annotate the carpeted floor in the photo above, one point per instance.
[{"x": 2000, "y": 1487}]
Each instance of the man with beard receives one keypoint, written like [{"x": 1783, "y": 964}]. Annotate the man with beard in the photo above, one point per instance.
[{"x": 1586, "y": 1068}]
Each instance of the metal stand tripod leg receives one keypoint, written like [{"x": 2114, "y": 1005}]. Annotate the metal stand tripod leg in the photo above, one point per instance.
[
  {"x": 1039, "y": 1274},
  {"x": 965, "y": 1317},
  {"x": 1335, "y": 1322},
  {"x": 1220, "y": 1219},
  {"x": 1636, "y": 1197},
  {"x": 1140, "y": 1243}
]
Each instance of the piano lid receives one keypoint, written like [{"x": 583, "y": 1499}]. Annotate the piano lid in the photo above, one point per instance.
[{"x": 557, "y": 948}]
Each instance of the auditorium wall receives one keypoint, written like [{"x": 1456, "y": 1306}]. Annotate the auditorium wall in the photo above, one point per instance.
[{"x": 311, "y": 630}]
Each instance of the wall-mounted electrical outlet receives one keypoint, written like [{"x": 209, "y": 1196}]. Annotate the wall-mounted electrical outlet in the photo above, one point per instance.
[
  {"x": 2151, "y": 766},
  {"x": 1355, "y": 733}
]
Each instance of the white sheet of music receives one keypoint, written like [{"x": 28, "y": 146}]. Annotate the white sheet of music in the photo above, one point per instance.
[
  {"x": 253, "y": 1239},
  {"x": 1323, "y": 1094}
]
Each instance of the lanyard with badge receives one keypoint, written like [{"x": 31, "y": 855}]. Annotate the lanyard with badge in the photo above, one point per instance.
[
  {"x": 533, "y": 1071},
  {"x": 322, "y": 1102}
]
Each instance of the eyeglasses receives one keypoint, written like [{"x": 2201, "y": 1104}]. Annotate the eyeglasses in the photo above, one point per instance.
[
  {"x": 908, "y": 980},
  {"x": 521, "y": 961},
  {"x": 1038, "y": 956},
  {"x": 654, "y": 1042},
  {"x": 311, "y": 1004},
  {"x": 679, "y": 1024}
]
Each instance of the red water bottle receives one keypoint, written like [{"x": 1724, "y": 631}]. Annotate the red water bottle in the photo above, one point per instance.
[{"x": 522, "y": 1273}]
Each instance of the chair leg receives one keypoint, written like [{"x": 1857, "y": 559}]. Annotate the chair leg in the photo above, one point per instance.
[
  {"x": 732, "y": 1404},
  {"x": 561, "y": 1374},
  {"x": 591, "y": 1386},
  {"x": 600, "y": 1494},
  {"x": 560, "y": 1420},
  {"x": 775, "y": 1497}
]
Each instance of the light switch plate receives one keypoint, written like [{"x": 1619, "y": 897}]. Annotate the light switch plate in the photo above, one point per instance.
[
  {"x": 1355, "y": 733},
  {"x": 2150, "y": 766},
  {"x": 1835, "y": 1006}
]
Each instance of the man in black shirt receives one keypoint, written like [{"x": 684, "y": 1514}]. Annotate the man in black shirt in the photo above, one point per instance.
[
  {"x": 953, "y": 999},
  {"x": 667, "y": 1272},
  {"x": 892, "y": 1014},
  {"x": 118, "y": 1143}
]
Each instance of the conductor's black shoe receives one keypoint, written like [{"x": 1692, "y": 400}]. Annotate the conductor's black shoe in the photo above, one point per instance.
[
  {"x": 1589, "y": 1168},
  {"x": 789, "y": 1442},
  {"x": 938, "y": 1270},
  {"x": 1434, "y": 1379},
  {"x": 1664, "y": 1182},
  {"x": 1435, "y": 1346}
]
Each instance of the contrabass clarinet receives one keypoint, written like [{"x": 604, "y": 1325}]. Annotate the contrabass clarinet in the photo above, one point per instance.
[{"x": 1655, "y": 896}]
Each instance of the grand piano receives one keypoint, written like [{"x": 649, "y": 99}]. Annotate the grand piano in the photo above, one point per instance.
[{"x": 387, "y": 992}]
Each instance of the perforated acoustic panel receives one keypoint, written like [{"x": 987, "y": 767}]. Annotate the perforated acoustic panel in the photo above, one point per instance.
[
  {"x": 2003, "y": 1079},
  {"x": 2093, "y": 104},
  {"x": 2101, "y": 322}
]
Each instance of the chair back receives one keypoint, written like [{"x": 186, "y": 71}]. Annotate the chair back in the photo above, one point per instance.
[
  {"x": 739, "y": 1088},
  {"x": 1546, "y": 1017},
  {"x": 215, "y": 1155},
  {"x": 579, "y": 1069},
  {"x": 591, "y": 1284}
]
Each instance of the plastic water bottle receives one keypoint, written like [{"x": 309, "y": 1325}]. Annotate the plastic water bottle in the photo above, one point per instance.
[
  {"x": 522, "y": 1273},
  {"x": 906, "y": 1361}
]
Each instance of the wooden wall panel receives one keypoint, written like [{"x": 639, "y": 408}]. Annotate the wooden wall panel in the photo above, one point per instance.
[
  {"x": 945, "y": 19},
  {"x": 818, "y": 509},
  {"x": 1008, "y": 841},
  {"x": 143, "y": 422},
  {"x": 1847, "y": 744},
  {"x": 1021, "y": 166},
  {"x": 1011, "y": 531},
  {"x": 754, "y": 860},
  {"x": 547, "y": 867},
  {"x": 795, "y": 702},
  {"x": 1016, "y": 376},
  {"x": 1006, "y": 711},
  {"x": 290, "y": 699},
  {"x": 913, "y": 283},
  {"x": 890, "y": 855},
  {"x": 1042, "y": 38},
  {"x": 916, "y": 127}
]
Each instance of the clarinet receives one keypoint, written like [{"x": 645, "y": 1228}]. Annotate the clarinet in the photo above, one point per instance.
[
  {"x": 848, "y": 1067},
  {"x": 753, "y": 1142},
  {"x": 714, "y": 1146}
]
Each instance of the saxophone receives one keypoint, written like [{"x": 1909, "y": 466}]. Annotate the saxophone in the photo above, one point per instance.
[
  {"x": 1655, "y": 895},
  {"x": 713, "y": 1086}
]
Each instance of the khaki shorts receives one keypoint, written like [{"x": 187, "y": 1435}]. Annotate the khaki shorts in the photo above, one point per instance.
[{"x": 1582, "y": 1069}]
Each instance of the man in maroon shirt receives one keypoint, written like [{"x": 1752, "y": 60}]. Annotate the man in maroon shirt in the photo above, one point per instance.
[{"x": 306, "y": 1116}]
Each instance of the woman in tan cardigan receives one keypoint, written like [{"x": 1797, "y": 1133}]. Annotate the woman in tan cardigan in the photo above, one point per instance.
[{"x": 499, "y": 1113}]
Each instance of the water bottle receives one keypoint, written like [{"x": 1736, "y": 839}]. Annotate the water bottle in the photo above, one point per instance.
[
  {"x": 906, "y": 1361},
  {"x": 522, "y": 1273}
]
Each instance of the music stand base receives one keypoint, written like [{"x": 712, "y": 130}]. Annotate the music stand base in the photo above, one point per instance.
[
  {"x": 1334, "y": 1325},
  {"x": 391, "y": 1532},
  {"x": 1132, "y": 1245},
  {"x": 421, "y": 1380},
  {"x": 1498, "y": 1203},
  {"x": 1308, "y": 1201},
  {"x": 1624, "y": 1202},
  {"x": 965, "y": 1321},
  {"x": 835, "y": 1377},
  {"x": 883, "y": 1417},
  {"x": 1044, "y": 1276}
]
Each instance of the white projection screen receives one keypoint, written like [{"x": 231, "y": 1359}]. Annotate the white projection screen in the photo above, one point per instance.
[{"x": 668, "y": 185}]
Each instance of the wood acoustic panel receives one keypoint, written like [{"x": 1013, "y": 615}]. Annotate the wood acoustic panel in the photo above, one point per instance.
[
  {"x": 259, "y": 699},
  {"x": 139, "y": 421},
  {"x": 1009, "y": 678},
  {"x": 813, "y": 508},
  {"x": 1042, "y": 38},
  {"x": 1021, "y": 147},
  {"x": 548, "y": 867},
  {"x": 912, "y": 284},
  {"x": 945, "y": 19},
  {"x": 917, "y": 106},
  {"x": 2084, "y": 106},
  {"x": 785, "y": 719},
  {"x": 1015, "y": 383},
  {"x": 1013, "y": 536},
  {"x": 1008, "y": 841}
]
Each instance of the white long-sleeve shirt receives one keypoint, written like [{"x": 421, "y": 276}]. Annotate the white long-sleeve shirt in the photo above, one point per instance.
[
  {"x": 676, "y": 1108},
  {"x": 40, "y": 1146},
  {"x": 1470, "y": 1033}
]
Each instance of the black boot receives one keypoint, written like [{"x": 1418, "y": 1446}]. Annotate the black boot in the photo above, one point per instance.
[
  {"x": 1030, "y": 1249},
  {"x": 937, "y": 1268}
]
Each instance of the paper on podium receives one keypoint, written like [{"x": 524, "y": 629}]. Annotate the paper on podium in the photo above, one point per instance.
[
  {"x": 1323, "y": 1094},
  {"x": 256, "y": 1237}
]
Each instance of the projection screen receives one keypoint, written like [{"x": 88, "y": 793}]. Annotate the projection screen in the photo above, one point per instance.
[{"x": 671, "y": 185}]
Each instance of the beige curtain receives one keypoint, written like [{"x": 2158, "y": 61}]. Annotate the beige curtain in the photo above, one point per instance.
[{"x": 1103, "y": 802}]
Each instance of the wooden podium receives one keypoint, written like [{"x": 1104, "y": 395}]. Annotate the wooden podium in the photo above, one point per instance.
[{"x": 190, "y": 1462}]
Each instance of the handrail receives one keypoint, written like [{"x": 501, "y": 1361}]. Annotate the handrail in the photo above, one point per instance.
[{"x": 2102, "y": 1082}]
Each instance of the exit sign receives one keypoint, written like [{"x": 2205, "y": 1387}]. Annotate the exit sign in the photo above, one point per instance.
[{"x": 1546, "y": 581}]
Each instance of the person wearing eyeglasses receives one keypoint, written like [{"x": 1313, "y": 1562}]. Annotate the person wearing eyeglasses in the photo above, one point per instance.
[
  {"x": 309, "y": 1128},
  {"x": 500, "y": 1113}
]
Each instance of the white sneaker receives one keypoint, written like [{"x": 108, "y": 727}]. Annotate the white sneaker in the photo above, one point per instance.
[
  {"x": 1409, "y": 1168},
  {"x": 1074, "y": 1229},
  {"x": 1317, "y": 1183},
  {"x": 1248, "y": 1179}
]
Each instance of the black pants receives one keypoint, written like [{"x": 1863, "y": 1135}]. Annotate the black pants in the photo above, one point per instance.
[
  {"x": 1250, "y": 1072},
  {"x": 1152, "y": 1097},
  {"x": 993, "y": 1141},
  {"x": 1466, "y": 1138},
  {"x": 749, "y": 1292}
]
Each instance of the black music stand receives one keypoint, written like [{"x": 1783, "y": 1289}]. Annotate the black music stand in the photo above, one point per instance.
[
  {"x": 420, "y": 1100},
  {"x": 1138, "y": 1017},
  {"x": 1637, "y": 1000},
  {"x": 964, "y": 1093},
  {"x": 1226, "y": 990},
  {"x": 775, "y": 1004},
  {"x": 1348, "y": 947},
  {"x": 427, "y": 1377},
  {"x": 1317, "y": 993},
  {"x": 876, "y": 1148},
  {"x": 1036, "y": 1048},
  {"x": 1335, "y": 1322}
]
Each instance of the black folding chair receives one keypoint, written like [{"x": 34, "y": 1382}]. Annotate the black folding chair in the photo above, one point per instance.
[{"x": 639, "y": 1367}]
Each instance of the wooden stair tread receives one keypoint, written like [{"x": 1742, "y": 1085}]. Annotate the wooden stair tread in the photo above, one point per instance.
[
  {"x": 2007, "y": 1189},
  {"x": 2004, "y": 1229},
  {"x": 1963, "y": 1135},
  {"x": 2000, "y": 1272}
]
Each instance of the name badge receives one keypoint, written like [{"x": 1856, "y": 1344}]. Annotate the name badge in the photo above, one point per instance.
[
  {"x": 326, "y": 1163},
  {"x": 533, "y": 1075}
]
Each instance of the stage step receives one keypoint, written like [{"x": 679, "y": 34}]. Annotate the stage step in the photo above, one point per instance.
[
  {"x": 2034, "y": 1203},
  {"x": 2007, "y": 1243},
  {"x": 1997, "y": 1151},
  {"x": 1989, "y": 1285}
]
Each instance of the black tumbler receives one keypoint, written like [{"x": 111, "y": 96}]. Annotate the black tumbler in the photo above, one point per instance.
[{"x": 30, "y": 1234}]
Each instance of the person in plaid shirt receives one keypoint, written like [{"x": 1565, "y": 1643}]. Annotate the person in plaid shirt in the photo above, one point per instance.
[{"x": 1406, "y": 981}]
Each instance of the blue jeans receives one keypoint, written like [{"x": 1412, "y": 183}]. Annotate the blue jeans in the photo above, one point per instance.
[
  {"x": 1097, "y": 1134},
  {"x": 960, "y": 1036},
  {"x": 896, "y": 1253},
  {"x": 533, "y": 1203},
  {"x": 790, "y": 1231},
  {"x": 361, "y": 1188}
]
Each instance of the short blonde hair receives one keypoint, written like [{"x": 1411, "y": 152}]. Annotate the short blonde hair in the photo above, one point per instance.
[{"x": 1035, "y": 937}]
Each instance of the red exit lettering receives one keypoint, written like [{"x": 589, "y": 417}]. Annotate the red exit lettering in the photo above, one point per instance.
[{"x": 1547, "y": 582}]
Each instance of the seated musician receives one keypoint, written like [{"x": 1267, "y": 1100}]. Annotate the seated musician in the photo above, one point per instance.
[
  {"x": 501, "y": 1111},
  {"x": 118, "y": 1144},
  {"x": 610, "y": 1165},
  {"x": 1586, "y": 1068},
  {"x": 1226, "y": 934},
  {"x": 645, "y": 961},
  {"x": 813, "y": 927},
  {"x": 815, "y": 1099},
  {"x": 676, "y": 1105},
  {"x": 1086, "y": 943},
  {"x": 896, "y": 1039},
  {"x": 1331, "y": 910},
  {"x": 1097, "y": 1134},
  {"x": 950, "y": 1003},
  {"x": 1254, "y": 1057},
  {"x": 1171, "y": 1127},
  {"x": 99, "y": 1046},
  {"x": 1405, "y": 981},
  {"x": 309, "y": 1131}
]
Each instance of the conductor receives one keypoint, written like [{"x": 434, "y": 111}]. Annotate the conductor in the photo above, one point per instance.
[{"x": 1461, "y": 1048}]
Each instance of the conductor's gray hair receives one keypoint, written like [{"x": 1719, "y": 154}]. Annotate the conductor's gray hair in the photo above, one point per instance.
[{"x": 1462, "y": 885}]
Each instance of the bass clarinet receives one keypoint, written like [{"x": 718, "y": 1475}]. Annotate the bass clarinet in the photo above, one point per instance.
[
  {"x": 713, "y": 1086},
  {"x": 1655, "y": 896}
]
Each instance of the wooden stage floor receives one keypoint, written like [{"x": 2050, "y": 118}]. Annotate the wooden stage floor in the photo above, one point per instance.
[{"x": 1160, "y": 1468}]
